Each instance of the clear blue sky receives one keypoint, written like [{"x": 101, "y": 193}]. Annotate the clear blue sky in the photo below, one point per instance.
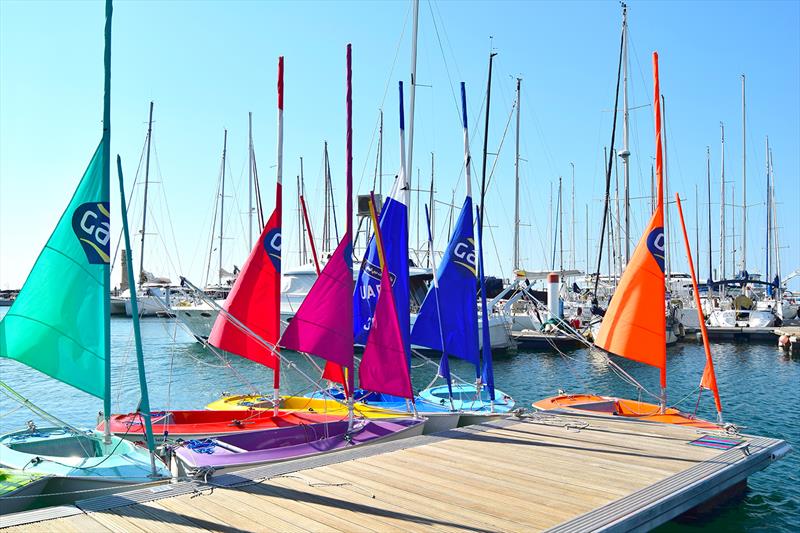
[{"x": 206, "y": 64}]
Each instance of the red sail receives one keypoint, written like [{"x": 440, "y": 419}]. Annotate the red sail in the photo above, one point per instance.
[
  {"x": 254, "y": 300},
  {"x": 634, "y": 326}
]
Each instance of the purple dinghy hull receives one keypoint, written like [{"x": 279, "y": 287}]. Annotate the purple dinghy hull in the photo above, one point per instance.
[{"x": 254, "y": 448}]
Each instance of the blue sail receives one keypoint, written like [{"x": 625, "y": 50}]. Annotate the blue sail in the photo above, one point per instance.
[
  {"x": 456, "y": 324},
  {"x": 394, "y": 228}
]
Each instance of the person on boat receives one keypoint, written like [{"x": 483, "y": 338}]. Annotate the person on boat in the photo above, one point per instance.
[
  {"x": 596, "y": 309},
  {"x": 577, "y": 320}
]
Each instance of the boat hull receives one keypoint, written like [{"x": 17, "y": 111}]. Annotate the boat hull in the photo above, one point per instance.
[
  {"x": 19, "y": 490},
  {"x": 592, "y": 404},
  {"x": 186, "y": 424},
  {"x": 260, "y": 448},
  {"x": 302, "y": 404},
  {"x": 79, "y": 462},
  {"x": 468, "y": 403}
]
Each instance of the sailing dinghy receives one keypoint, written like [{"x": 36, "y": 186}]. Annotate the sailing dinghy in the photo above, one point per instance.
[
  {"x": 634, "y": 326},
  {"x": 323, "y": 327},
  {"x": 60, "y": 326},
  {"x": 454, "y": 331}
]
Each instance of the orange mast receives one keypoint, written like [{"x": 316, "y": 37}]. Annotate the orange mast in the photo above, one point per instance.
[
  {"x": 634, "y": 326},
  {"x": 709, "y": 380}
]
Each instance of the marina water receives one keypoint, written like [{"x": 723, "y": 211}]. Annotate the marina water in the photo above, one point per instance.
[{"x": 758, "y": 383}]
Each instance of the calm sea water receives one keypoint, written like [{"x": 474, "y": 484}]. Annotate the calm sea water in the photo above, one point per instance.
[{"x": 758, "y": 383}]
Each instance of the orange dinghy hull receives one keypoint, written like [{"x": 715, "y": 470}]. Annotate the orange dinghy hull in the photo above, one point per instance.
[{"x": 609, "y": 406}]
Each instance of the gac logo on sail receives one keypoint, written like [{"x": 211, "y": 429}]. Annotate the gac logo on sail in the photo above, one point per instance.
[
  {"x": 464, "y": 255},
  {"x": 272, "y": 245},
  {"x": 90, "y": 222}
]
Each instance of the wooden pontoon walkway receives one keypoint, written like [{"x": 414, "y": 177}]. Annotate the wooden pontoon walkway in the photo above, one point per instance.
[{"x": 565, "y": 473}]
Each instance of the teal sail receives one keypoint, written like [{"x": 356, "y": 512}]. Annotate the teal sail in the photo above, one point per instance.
[{"x": 57, "y": 323}]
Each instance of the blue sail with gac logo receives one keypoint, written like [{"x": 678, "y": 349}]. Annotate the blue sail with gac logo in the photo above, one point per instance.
[
  {"x": 394, "y": 229},
  {"x": 56, "y": 324},
  {"x": 453, "y": 330}
]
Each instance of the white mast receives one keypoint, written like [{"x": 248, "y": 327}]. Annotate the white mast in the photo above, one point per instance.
[
  {"x": 410, "y": 158},
  {"x": 572, "y": 231},
  {"x": 744, "y": 183},
  {"x": 625, "y": 152},
  {"x": 516, "y": 187},
  {"x": 250, "y": 181},
  {"x": 667, "y": 254},
  {"x": 722, "y": 206}
]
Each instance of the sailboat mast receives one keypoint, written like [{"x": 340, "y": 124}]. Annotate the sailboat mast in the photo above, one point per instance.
[
  {"x": 380, "y": 158},
  {"x": 708, "y": 179},
  {"x": 744, "y": 180},
  {"x": 349, "y": 209},
  {"x": 767, "y": 277},
  {"x": 412, "y": 94},
  {"x": 303, "y": 245},
  {"x": 222, "y": 203},
  {"x": 722, "y": 207},
  {"x": 299, "y": 223},
  {"x": 105, "y": 194},
  {"x": 276, "y": 374},
  {"x": 776, "y": 240},
  {"x": 697, "y": 230},
  {"x": 560, "y": 229},
  {"x": 146, "y": 183},
  {"x": 516, "y": 186},
  {"x": 431, "y": 220},
  {"x": 325, "y": 216},
  {"x": 467, "y": 157},
  {"x": 144, "y": 405},
  {"x": 487, "y": 373},
  {"x": 665, "y": 177},
  {"x": 625, "y": 153},
  {"x": 572, "y": 230},
  {"x": 659, "y": 133},
  {"x": 250, "y": 181}
]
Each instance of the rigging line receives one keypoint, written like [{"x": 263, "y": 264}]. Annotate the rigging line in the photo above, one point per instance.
[
  {"x": 610, "y": 162},
  {"x": 213, "y": 226},
  {"x": 369, "y": 152},
  {"x": 130, "y": 200},
  {"x": 444, "y": 59},
  {"x": 14, "y": 395},
  {"x": 169, "y": 211},
  {"x": 225, "y": 362}
]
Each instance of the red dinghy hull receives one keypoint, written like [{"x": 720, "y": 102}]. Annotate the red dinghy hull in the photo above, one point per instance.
[{"x": 200, "y": 424}]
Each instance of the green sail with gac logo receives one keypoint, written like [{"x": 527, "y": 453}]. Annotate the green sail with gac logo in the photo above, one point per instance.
[{"x": 57, "y": 323}]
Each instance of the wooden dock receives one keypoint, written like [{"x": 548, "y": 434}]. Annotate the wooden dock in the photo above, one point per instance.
[
  {"x": 544, "y": 472},
  {"x": 738, "y": 334}
]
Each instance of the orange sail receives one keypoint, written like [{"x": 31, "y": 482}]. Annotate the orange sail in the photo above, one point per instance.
[
  {"x": 634, "y": 326},
  {"x": 709, "y": 380}
]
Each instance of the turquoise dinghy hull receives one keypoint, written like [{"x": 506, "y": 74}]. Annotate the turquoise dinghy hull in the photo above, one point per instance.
[
  {"x": 473, "y": 409},
  {"x": 80, "y": 465},
  {"x": 19, "y": 490},
  {"x": 439, "y": 418}
]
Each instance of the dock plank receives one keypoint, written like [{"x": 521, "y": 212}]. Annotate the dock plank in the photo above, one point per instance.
[{"x": 570, "y": 473}]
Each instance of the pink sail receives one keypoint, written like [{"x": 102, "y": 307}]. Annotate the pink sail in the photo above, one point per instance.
[
  {"x": 384, "y": 367},
  {"x": 323, "y": 325}
]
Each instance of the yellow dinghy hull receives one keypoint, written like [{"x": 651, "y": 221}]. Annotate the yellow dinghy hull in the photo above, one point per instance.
[{"x": 301, "y": 404}]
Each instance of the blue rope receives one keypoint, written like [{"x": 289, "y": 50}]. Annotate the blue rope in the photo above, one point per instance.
[{"x": 201, "y": 446}]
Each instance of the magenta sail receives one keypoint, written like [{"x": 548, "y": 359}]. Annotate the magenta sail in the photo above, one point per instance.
[
  {"x": 384, "y": 367},
  {"x": 322, "y": 325}
]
